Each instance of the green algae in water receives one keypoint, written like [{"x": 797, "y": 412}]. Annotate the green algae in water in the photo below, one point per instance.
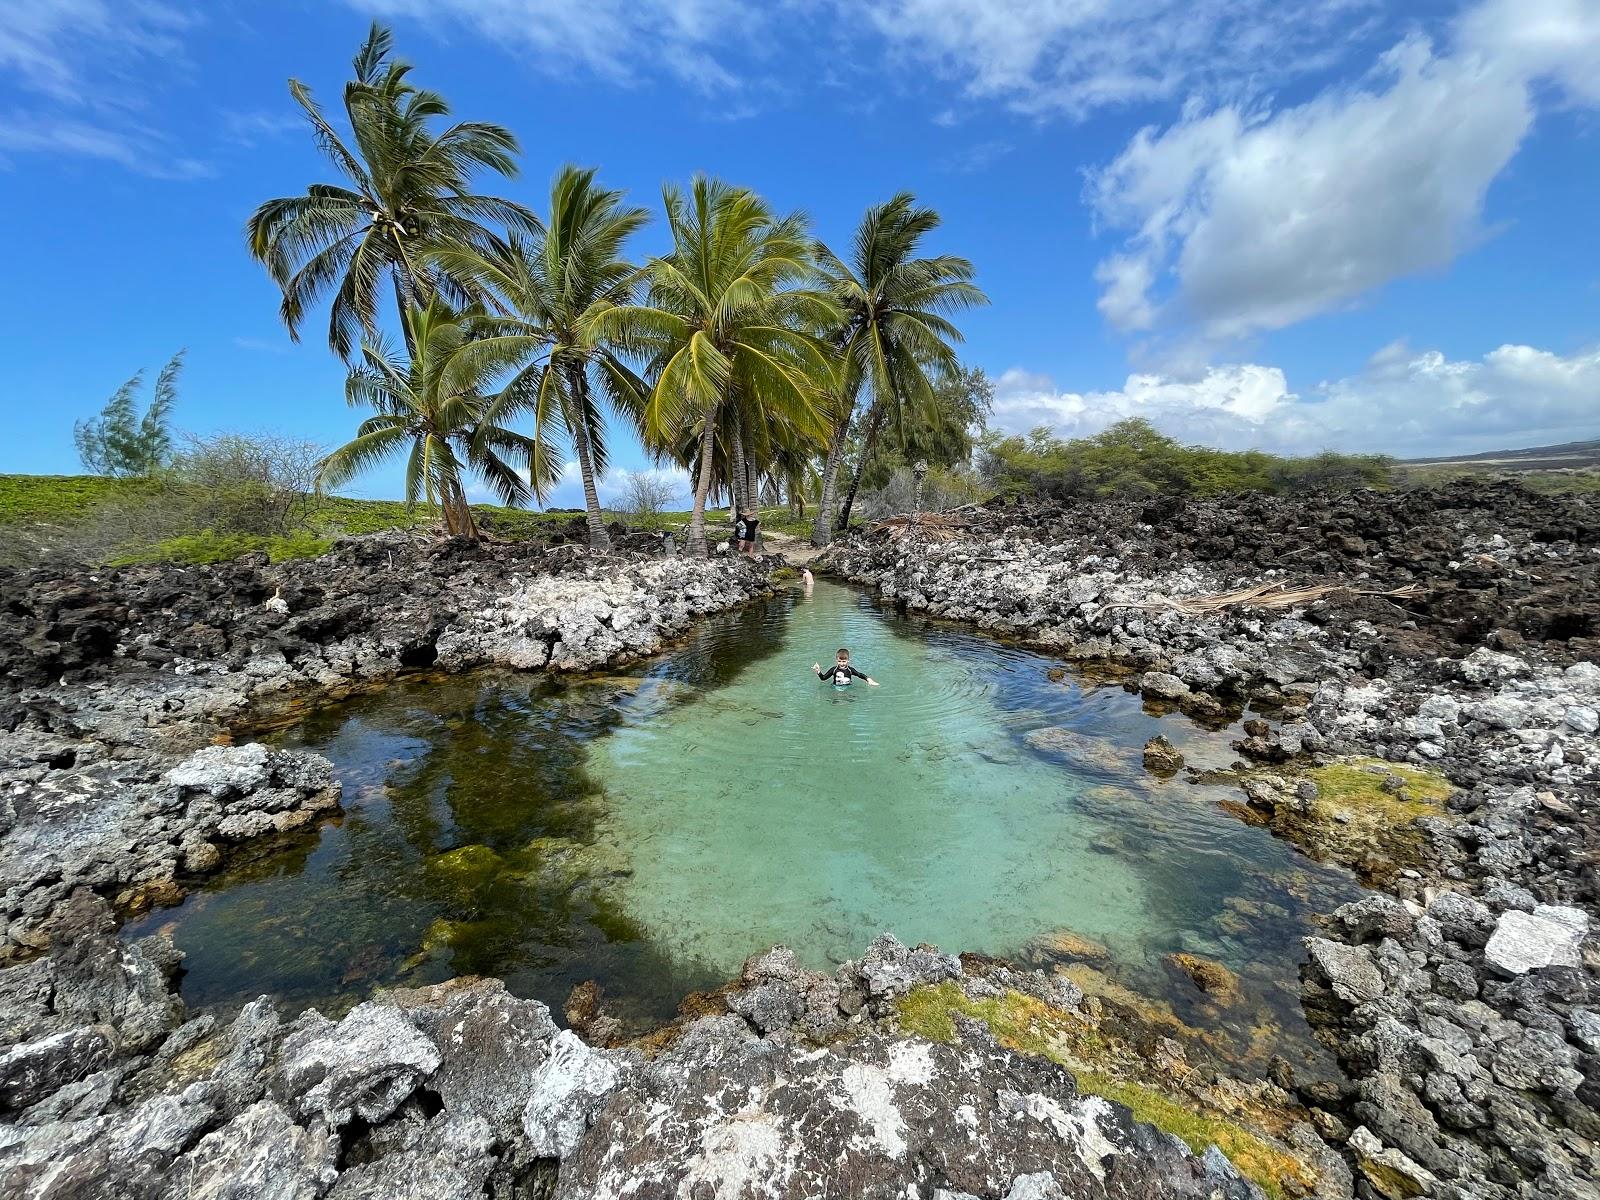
[{"x": 652, "y": 828}]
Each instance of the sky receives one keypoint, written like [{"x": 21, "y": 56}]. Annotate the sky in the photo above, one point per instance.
[{"x": 1292, "y": 224}]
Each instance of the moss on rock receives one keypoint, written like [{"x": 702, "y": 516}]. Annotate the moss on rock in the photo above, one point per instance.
[
  {"x": 1027, "y": 1025},
  {"x": 1360, "y": 812}
]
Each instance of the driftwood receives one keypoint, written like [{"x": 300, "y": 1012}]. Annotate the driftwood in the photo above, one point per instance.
[{"x": 1275, "y": 594}]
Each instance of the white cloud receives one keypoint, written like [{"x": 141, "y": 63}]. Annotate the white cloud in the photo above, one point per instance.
[
  {"x": 135, "y": 149},
  {"x": 1242, "y": 219},
  {"x": 1076, "y": 56},
  {"x": 1037, "y": 56},
  {"x": 45, "y": 44},
  {"x": 249, "y": 129},
  {"x": 86, "y": 64},
  {"x": 613, "y": 39},
  {"x": 1403, "y": 402}
]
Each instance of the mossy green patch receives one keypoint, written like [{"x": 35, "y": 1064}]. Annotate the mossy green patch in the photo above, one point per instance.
[
  {"x": 1029, "y": 1026},
  {"x": 1358, "y": 782},
  {"x": 1358, "y": 817},
  {"x": 463, "y": 875},
  {"x": 1257, "y": 1159}
]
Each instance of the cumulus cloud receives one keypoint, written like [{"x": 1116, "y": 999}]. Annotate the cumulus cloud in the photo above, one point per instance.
[
  {"x": 1403, "y": 402},
  {"x": 1241, "y": 219}
]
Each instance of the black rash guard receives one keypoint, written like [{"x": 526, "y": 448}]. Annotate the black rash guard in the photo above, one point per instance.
[{"x": 840, "y": 674}]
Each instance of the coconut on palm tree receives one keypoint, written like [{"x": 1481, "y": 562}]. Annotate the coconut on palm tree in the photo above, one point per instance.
[
  {"x": 729, "y": 319},
  {"x": 551, "y": 284},
  {"x": 435, "y": 407},
  {"x": 406, "y": 187},
  {"x": 895, "y": 336}
]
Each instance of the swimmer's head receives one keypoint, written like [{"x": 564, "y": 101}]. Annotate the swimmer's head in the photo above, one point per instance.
[{"x": 844, "y": 655}]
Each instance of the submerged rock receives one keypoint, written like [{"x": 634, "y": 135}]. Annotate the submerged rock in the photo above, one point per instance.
[{"x": 1161, "y": 757}]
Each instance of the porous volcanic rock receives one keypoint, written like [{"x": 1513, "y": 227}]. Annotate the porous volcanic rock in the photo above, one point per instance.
[
  {"x": 1454, "y": 629},
  {"x": 117, "y": 681},
  {"x": 462, "y": 1090}
]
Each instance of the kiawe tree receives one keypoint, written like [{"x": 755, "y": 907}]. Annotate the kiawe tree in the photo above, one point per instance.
[
  {"x": 728, "y": 327},
  {"x": 895, "y": 336},
  {"x": 406, "y": 188},
  {"x": 119, "y": 442},
  {"x": 436, "y": 407},
  {"x": 552, "y": 286}
]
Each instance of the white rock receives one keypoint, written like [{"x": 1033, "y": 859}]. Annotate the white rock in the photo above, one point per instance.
[
  {"x": 1483, "y": 665},
  {"x": 1585, "y": 676},
  {"x": 1583, "y": 718},
  {"x": 1501, "y": 712},
  {"x": 1549, "y": 936},
  {"x": 222, "y": 769},
  {"x": 567, "y": 1092}
]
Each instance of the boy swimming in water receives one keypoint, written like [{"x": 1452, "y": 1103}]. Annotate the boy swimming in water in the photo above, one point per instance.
[{"x": 841, "y": 673}]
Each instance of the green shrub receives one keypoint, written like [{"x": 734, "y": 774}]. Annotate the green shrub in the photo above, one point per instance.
[{"x": 1132, "y": 459}]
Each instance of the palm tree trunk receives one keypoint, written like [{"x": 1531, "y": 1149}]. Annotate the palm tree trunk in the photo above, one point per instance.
[
  {"x": 868, "y": 440},
  {"x": 739, "y": 483},
  {"x": 702, "y": 484},
  {"x": 822, "y": 527},
  {"x": 405, "y": 301},
  {"x": 599, "y": 539},
  {"x": 752, "y": 487},
  {"x": 458, "y": 520}
]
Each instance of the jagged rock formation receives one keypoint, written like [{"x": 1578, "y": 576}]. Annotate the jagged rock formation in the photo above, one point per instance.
[
  {"x": 1461, "y": 1000},
  {"x": 114, "y": 681},
  {"x": 461, "y": 1089},
  {"x": 1461, "y": 1004}
]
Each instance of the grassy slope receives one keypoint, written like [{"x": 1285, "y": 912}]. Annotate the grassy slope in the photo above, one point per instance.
[{"x": 35, "y": 503}]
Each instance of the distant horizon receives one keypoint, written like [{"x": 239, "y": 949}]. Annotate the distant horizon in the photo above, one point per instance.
[{"x": 1379, "y": 243}]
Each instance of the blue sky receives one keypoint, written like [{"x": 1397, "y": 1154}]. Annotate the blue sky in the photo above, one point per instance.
[{"x": 1288, "y": 223}]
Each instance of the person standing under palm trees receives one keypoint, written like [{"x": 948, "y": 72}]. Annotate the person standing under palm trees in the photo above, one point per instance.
[{"x": 745, "y": 524}]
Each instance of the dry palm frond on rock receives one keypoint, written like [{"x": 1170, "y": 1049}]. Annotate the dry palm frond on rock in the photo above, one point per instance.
[{"x": 1273, "y": 594}]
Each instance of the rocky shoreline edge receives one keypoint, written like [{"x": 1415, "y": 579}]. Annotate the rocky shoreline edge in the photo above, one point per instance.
[
  {"x": 1450, "y": 630},
  {"x": 1459, "y": 999}
]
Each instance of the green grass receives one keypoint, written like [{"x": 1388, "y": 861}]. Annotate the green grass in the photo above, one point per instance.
[
  {"x": 1580, "y": 482},
  {"x": 59, "y": 501},
  {"x": 210, "y": 546},
  {"x": 55, "y": 498}
]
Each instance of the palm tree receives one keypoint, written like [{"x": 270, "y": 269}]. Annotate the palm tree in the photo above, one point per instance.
[
  {"x": 552, "y": 284},
  {"x": 405, "y": 189},
  {"x": 894, "y": 334},
  {"x": 728, "y": 321},
  {"x": 435, "y": 404}
]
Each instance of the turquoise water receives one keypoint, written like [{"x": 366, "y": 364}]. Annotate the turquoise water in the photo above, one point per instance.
[{"x": 651, "y": 829}]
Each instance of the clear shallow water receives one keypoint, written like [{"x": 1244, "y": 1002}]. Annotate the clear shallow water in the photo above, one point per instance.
[{"x": 653, "y": 828}]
